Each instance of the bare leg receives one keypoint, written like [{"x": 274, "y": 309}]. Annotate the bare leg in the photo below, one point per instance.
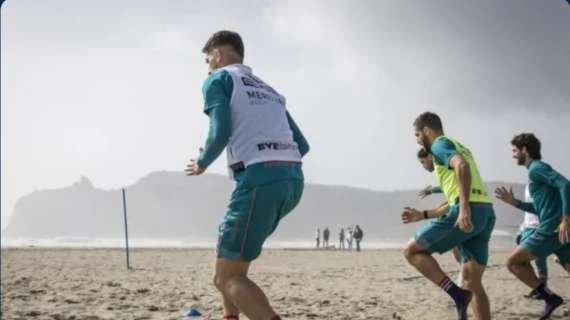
[
  {"x": 519, "y": 265},
  {"x": 457, "y": 257},
  {"x": 473, "y": 275},
  {"x": 228, "y": 307},
  {"x": 232, "y": 281},
  {"x": 422, "y": 260}
]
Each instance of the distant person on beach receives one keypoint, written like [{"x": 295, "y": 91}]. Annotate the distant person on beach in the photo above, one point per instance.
[
  {"x": 318, "y": 237},
  {"x": 349, "y": 237},
  {"x": 550, "y": 193},
  {"x": 326, "y": 235},
  {"x": 264, "y": 159},
  {"x": 468, "y": 222},
  {"x": 426, "y": 160},
  {"x": 341, "y": 239},
  {"x": 358, "y": 235},
  {"x": 527, "y": 229}
]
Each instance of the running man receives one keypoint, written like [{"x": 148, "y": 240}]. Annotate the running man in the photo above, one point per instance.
[
  {"x": 426, "y": 160},
  {"x": 550, "y": 192},
  {"x": 527, "y": 229},
  {"x": 264, "y": 148},
  {"x": 467, "y": 224}
]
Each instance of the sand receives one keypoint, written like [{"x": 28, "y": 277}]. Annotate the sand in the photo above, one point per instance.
[{"x": 302, "y": 284}]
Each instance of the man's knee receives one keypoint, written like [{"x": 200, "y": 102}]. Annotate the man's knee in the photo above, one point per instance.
[
  {"x": 472, "y": 283},
  {"x": 518, "y": 259},
  {"x": 224, "y": 282},
  {"x": 220, "y": 281},
  {"x": 411, "y": 249},
  {"x": 472, "y": 274},
  {"x": 510, "y": 263}
]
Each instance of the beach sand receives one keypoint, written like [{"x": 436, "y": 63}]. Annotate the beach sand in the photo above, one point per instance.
[{"x": 94, "y": 284}]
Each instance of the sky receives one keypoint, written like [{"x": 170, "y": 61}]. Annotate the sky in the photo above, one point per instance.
[{"x": 111, "y": 90}]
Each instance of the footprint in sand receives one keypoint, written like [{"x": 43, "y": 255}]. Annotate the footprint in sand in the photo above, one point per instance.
[
  {"x": 153, "y": 308},
  {"x": 38, "y": 291},
  {"x": 71, "y": 301},
  {"x": 33, "y": 313},
  {"x": 297, "y": 300}
]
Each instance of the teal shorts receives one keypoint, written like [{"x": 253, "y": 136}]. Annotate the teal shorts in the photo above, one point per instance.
[
  {"x": 441, "y": 235},
  {"x": 253, "y": 214},
  {"x": 542, "y": 245},
  {"x": 540, "y": 262}
]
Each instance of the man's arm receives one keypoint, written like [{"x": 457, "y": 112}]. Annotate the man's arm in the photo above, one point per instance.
[
  {"x": 218, "y": 135},
  {"x": 217, "y": 92},
  {"x": 412, "y": 215},
  {"x": 463, "y": 173},
  {"x": 508, "y": 197},
  {"x": 429, "y": 190},
  {"x": 525, "y": 206},
  {"x": 439, "y": 211},
  {"x": 298, "y": 136}
]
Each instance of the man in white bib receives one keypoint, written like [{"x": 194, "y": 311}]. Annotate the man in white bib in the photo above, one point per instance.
[{"x": 264, "y": 147}]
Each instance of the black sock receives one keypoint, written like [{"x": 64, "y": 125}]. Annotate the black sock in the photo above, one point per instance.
[
  {"x": 543, "y": 291},
  {"x": 456, "y": 293},
  {"x": 544, "y": 279}
]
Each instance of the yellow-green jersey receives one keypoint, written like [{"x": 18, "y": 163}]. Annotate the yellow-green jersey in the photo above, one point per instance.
[{"x": 443, "y": 149}]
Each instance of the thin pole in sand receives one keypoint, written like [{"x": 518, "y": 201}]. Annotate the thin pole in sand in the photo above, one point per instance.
[{"x": 126, "y": 229}]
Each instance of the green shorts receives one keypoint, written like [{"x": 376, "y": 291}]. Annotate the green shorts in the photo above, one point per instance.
[
  {"x": 542, "y": 245},
  {"x": 540, "y": 262},
  {"x": 253, "y": 214},
  {"x": 525, "y": 234},
  {"x": 441, "y": 235}
]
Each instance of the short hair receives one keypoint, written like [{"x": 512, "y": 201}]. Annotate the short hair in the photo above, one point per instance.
[
  {"x": 530, "y": 142},
  {"x": 430, "y": 120},
  {"x": 422, "y": 153},
  {"x": 225, "y": 37}
]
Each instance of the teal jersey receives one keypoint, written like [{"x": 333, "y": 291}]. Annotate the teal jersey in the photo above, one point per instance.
[
  {"x": 217, "y": 91},
  {"x": 436, "y": 189},
  {"x": 550, "y": 192}
]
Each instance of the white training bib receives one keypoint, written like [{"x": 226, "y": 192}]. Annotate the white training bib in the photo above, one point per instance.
[
  {"x": 260, "y": 130},
  {"x": 530, "y": 220}
]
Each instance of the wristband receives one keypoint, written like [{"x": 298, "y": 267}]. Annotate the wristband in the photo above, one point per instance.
[{"x": 426, "y": 215}]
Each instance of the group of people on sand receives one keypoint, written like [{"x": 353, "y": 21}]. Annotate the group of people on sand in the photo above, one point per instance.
[
  {"x": 265, "y": 147},
  {"x": 346, "y": 237}
]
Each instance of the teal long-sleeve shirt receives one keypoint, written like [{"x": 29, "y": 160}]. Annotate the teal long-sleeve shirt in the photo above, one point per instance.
[
  {"x": 550, "y": 192},
  {"x": 217, "y": 91}
]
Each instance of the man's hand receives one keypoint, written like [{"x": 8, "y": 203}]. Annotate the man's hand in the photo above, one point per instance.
[
  {"x": 193, "y": 169},
  {"x": 564, "y": 230},
  {"x": 506, "y": 196},
  {"x": 464, "y": 219},
  {"x": 411, "y": 215},
  {"x": 425, "y": 192}
]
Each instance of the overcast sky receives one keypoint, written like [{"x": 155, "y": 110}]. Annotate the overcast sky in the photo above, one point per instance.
[{"x": 112, "y": 89}]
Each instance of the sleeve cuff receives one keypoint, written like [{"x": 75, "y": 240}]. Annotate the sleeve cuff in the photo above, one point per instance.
[{"x": 202, "y": 163}]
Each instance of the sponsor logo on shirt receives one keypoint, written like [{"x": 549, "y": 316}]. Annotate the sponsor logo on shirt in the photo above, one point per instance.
[
  {"x": 275, "y": 146},
  {"x": 257, "y": 96}
]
